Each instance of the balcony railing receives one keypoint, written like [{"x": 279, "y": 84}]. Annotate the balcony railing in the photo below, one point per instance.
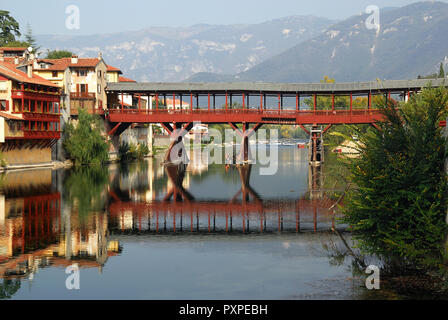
[
  {"x": 39, "y": 134},
  {"x": 82, "y": 95},
  {"x": 36, "y": 95}
]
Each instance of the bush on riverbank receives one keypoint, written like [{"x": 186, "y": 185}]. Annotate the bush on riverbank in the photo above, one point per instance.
[
  {"x": 130, "y": 151},
  {"x": 399, "y": 207},
  {"x": 83, "y": 141}
]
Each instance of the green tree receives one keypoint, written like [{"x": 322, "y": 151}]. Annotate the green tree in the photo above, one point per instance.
[
  {"x": 30, "y": 40},
  {"x": 441, "y": 71},
  {"x": 9, "y": 28},
  {"x": 398, "y": 209},
  {"x": 83, "y": 142},
  {"x": 14, "y": 44},
  {"x": 58, "y": 54}
]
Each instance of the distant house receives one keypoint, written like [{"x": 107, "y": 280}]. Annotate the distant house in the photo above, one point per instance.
[
  {"x": 11, "y": 52},
  {"x": 113, "y": 74},
  {"x": 176, "y": 104}
]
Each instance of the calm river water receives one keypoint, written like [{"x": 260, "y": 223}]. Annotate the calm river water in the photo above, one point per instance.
[{"x": 143, "y": 231}]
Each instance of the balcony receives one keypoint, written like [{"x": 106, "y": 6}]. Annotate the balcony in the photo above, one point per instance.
[
  {"x": 40, "y": 134},
  {"x": 82, "y": 95},
  {"x": 35, "y": 95}
]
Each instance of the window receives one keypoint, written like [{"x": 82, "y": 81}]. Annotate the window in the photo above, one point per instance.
[
  {"x": 99, "y": 88},
  {"x": 82, "y": 73},
  {"x": 99, "y": 74},
  {"x": 54, "y": 74},
  {"x": 82, "y": 87},
  {"x": 4, "y": 105}
]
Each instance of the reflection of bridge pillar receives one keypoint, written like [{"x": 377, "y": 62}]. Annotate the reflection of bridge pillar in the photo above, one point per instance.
[
  {"x": 176, "y": 174},
  {"x": 315, "y": 182},
  {"x": 246, "y": 189}
]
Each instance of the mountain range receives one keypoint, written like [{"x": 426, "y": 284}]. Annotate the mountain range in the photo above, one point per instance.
[
  {"x": 411, "y": 41},
  {"x": 174, "y": 54}
]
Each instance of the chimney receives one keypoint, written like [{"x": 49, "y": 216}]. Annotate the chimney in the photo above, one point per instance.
[
  {"x": 16, "y": 60},
  {"x": 74, "y": 59},
  {"x": 100, "y": 55},
  {"x": 29, "y": 69}
]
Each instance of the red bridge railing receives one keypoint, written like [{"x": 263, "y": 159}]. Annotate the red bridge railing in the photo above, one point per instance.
[{"x": 244, "y": 115}]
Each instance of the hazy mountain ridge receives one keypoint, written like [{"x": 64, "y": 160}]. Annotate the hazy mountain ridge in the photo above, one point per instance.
[
  {"x": 174, "y": 54},
  {"x": 412, "y": 41}
]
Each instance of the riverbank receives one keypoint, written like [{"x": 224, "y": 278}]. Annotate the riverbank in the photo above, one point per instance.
[{"x": 49, "y": 165}]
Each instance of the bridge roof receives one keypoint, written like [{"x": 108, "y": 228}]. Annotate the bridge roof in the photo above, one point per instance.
[{"x": 286, "y": 88}]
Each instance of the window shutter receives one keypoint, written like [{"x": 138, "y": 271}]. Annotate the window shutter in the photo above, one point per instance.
[
  {"x": 77, "y": 87},
  {"x": 7, "y": 105}
]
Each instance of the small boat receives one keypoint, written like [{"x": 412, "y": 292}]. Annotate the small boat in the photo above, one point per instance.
[{"x": 301, "y": 145}]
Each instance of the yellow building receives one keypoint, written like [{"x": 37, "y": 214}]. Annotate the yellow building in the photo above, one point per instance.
[
  {"x": 113, "y": 74},
  {"x": 83, "y": 81}
]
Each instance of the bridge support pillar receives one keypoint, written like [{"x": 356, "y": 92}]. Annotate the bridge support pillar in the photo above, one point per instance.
[
  {"x": 114, "y": 130},
  {"x": 176, "y": 153},
  {"x": 316, "y": 145},
  {"x": 244, "y": 155},
  {"x": 150, "y": 136}
]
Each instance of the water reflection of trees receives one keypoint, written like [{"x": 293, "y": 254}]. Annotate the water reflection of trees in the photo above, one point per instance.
[
  {"x": 9, "y": 287},
  {"x": 85, "y": 188}
]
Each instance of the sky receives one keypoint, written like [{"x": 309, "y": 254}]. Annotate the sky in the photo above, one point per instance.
[{"x": 110, "y": 16}]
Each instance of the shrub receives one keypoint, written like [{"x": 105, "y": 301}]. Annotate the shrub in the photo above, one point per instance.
[
  {"x": 399, "y": 207},
  {"x": 127, "y": 152},
  {"x": 83, "y": 142}
]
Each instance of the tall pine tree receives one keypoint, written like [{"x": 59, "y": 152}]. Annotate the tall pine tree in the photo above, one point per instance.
[{"x": 441, "y": 71}]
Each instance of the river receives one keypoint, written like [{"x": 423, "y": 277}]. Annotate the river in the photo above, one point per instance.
[{"x": 143, "y": 231}]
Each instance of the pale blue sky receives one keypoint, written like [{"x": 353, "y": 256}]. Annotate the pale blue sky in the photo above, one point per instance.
[{"x": 104, "y": 16}]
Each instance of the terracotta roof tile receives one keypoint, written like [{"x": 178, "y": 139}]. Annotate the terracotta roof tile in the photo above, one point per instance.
[
  {"x": 123, "y": 79},
  {"x": 63, "y": 63},
  {"x": 110, "y": 68},
  {"x": 12, "y": 48},
  {"x": 10, "y": 70}
]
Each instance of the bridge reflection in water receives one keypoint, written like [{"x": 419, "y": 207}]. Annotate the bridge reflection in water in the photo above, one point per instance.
[
  {"x": 179, "y": 212},
  {"x": 40, "y": 228}
]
